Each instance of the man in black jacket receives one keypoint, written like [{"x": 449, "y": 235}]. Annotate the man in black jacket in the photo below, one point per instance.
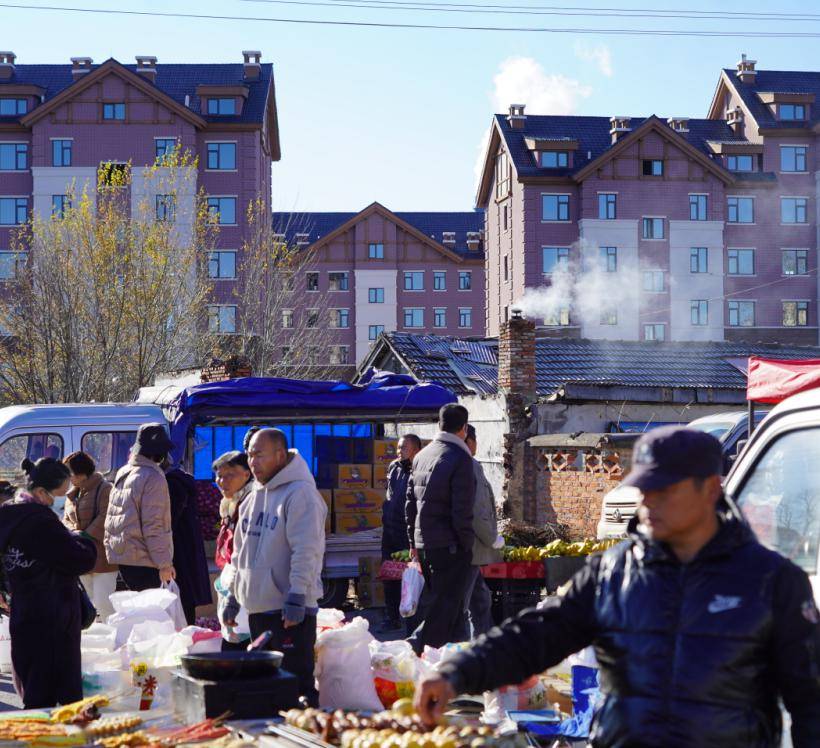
[
  {"x": 394, "y": 523},
  {"x": 440, "y": 495},
  {"x": 698, "y": 629}
]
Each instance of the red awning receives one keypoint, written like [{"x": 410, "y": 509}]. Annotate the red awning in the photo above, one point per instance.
[{"x": 771, "y": 381}]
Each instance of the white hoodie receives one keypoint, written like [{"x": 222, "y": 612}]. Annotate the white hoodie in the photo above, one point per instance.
[{"x": 279, "y": 541}]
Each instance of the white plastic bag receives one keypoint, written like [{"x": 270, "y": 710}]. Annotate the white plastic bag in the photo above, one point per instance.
[
  {"x": 5, "y": 645},
  {"x": 124, "y": 622},
  {"x": 329, "y": 618},
  {"x": 412, "y": 583},
  {"x": 343, "y": 668},
  {"x": 395, "y": 670},
  {"x": 175, "y": 608}
]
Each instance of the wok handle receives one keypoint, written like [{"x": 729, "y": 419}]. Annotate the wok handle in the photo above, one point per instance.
[{"x": 260, "y": 641}]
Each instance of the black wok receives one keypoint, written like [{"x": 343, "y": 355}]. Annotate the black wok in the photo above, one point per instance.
[{"x": 230, "y": 665}]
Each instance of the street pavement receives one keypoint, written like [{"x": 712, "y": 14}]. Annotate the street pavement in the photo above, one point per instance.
[{"x": 8, "y": 699}]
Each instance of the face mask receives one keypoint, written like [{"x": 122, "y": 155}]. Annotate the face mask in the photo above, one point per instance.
[{"x": 58, "y": 507}]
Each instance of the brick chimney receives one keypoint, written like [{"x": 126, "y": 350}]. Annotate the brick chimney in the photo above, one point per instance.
[
  {"x": 7, "y": 65},
  {"x": 252, "y": 64},
  {"x": 147, "y": 67},
  {"x": 448, "y": 239},
  {"x": 619, "y": 126},
  {"x": 473, "y": 240},
  {"x": 746, "y": 69},
  {"x": 734, "y": 118},
  {"x": 80, "y": 66},
  {"x": 516, "y": 356},
  {"x": 516, "y": 117},
  {"x": 678, "y": 124},
  {"x": 232, "y": 367}
]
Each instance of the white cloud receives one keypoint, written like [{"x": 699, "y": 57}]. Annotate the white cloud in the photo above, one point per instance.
[
  {"x": 522, "y": 80},
  {"x": 478, "y": 167},
  {"x": 600, "y": 55}
]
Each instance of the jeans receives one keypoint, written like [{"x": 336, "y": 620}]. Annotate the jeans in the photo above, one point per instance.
[
  {"x": 478, "y": 604},
  {"x": 99, "y": 588},
  {"x": 296, "y": 643},
  {"x": 446, "y": 574},
  {"x": 139, "y": 578}
]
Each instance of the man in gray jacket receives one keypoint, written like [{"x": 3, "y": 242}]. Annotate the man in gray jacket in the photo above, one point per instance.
[{"x": 279, "y": 547}]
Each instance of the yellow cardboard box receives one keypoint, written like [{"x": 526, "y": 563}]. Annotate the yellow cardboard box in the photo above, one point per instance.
[
  {"x": 353, "y": 476},
  {"x": 358, "y": 501},
  {"x": 327, "y": 495},
  {"x": 385, "y": 451},
  {"x": 350, "y": 523},
  {"x": 380, "y": 477}
]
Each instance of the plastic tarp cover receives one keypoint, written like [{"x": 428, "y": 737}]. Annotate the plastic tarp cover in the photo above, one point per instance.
[{"x": 772, "y": 380}]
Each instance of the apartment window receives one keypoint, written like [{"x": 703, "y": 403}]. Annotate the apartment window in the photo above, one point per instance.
[
  {"x": 465, "y": 317},
  {"x": 609, "y": 316},
  {"x": 607, "y": 202},
  {"x": 375, "y": 296},
  {"x": 740, "y": 210},
  {"x": 59, "y": 205},
  {"x": 439, "y": 280},
  {"x": 312, "y": 281},
  {"x": 222, "y": 106},
  {"x": 414, "y": 317},
  {"x": 13, "y": 107},
  {"x": 555, "y": 159},
  {"x": 697, "y": 207},
  {"x": 339, "y": 354},
  {"x": 10, "y": 264},
  {"x": 555, "y": 207},
  {"x": 285, "y": 352},
  {"x": 340, "y": 318},
  {"x": 652, "y": 167},
  {"x": 652, "y": 228},
  {"x": 222, "y": 156},
  {"x": 338, "y": 281},
  {"x": 793, "y": 158},
  {"x": 223, "y": 210},
  {"x": 653, "y": 281},
  {"x": 794, "y": 209},
  {"x": 413, "y": 280},
  {"x": 699, "y": 312},
  {"x": 795, "y": 313},
  {"x": 553, "y": 259},
  {"x": 287, "y": 318},
  {"x": 741, "y": 314},
  {"x": 439, "y": 317},
  {"x": 465, "y": 280},
  {"x": 741, "y": 262},
  {"x": 375, "y": 251},
  {"x": 166, "y": 208},
  {"x": 506, "y": 269},
  {"x": 655, "y": 332},
  {"x": 113, "y": 174},
  {"x": 792, "y": 111},
  {"x": 13, "y": 156},
  {"x": 311, "y": 318},
  {"x": 114, "y": 111},
  {"x": 558, "y": 317},
  {"x": 698, "y": 260},
  {"x": 222, "y": 265},
  {"x": 795, "y": 261},
  {"x": 502, "y": 175},
  {"x": 222, "y": 318},
  {"x": 13, "y": 211},
  {"x": 61, "y": 152},
  {"x": 740, "y": 163},
  {"x": 373, "y": 331},
  {"x": 609, "y": 259},
  {"x": 164, "y": 147},
  {"x": 504, "y": 217}
]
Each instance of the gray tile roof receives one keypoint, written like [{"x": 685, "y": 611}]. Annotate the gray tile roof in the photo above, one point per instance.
[{"x": 777, "y": 81}]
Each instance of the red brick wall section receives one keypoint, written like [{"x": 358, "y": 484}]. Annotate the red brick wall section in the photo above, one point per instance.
[
  {"x": 574, "y": 499},
  {"x": 516, "y": 357}
]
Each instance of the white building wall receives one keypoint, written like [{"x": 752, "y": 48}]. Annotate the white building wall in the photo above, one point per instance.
[
  {"x": 61, "y": 180},
  {"x": 374, "y": 314},
  {"x": 148, "y": 182},
  {"x": 686, "y": 286}
]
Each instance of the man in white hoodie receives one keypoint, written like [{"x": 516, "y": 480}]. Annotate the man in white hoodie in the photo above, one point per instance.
[{"x": 279, "y": 547}]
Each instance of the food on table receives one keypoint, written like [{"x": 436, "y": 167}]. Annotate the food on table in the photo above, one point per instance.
[
  {"x": 70, "y": 711},
  {"x": 112, "y": 726},
  {"x": 139, "y": 738},
  {"x": 29, "y": 729},
  {"x": 558, "y": 548},
  {"x": 439, "y": 737},
  {"x": 209, "y": 729}
]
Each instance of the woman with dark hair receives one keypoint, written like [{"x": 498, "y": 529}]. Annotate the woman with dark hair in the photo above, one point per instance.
[
  {"x": 138, "y": 524},
  {"x": 85, "y": 511},
  {"x": 42, "y": 561}
]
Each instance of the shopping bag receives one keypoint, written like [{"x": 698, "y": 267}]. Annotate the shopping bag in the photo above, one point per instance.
[
  {"x": 412, "y": 583},
  {"x": 395, "y": 670},
  {"x": 175, "y": 608}
]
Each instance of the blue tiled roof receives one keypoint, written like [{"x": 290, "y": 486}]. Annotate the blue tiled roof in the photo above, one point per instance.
[
  {"x": 592, "y": 134},
  {"x": 174, "y": 80},
  {"x": 471, "y": 366},
  {"x": 432, "y": 224},
  {"x": 776, "y": 81}
]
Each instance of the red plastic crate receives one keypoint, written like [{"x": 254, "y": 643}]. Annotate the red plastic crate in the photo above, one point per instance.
[{"x": 514, "y": 570}]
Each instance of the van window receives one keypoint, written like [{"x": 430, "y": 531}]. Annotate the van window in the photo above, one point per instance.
[
  {"x": 33, "y": 446},
  {"x": 108, "y": 449},
  {"x": 781, "y": 498}
]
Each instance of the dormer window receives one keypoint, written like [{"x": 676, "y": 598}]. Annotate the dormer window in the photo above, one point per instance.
[
  {"x": 740, "y": 163},
  {"x": 792, "y": 112},
  {"x": 13, "y": 107},
  {"x": 652, "y": 167},
  {"x": 555, "y": 159},
  {"x": 222, "y": 106}
]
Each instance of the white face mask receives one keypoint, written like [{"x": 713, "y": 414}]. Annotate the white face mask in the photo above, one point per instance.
[{"x": 58, "y": 507}]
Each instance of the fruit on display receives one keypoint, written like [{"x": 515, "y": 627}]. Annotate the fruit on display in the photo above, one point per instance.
[
  {"x": 401, "y": 556},
  {"x": 558, "y": 548},
  {"x": 439, "y": 737},
  {"x": 70, "y": 712}
]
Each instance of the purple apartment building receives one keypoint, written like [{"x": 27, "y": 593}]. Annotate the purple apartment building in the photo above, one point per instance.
[
  {"x": 60, "y": 123},
  {"x": 677, "y": 229}
]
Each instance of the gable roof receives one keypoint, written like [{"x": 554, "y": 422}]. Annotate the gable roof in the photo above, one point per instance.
[
  {"x": 471, "y": 366},
  {"x": 428, "y": 227}
]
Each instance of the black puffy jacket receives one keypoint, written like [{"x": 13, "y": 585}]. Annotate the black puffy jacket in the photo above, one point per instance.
[
  {"x": 690, "y": 654},
  {"x": 394, "y": 522}
]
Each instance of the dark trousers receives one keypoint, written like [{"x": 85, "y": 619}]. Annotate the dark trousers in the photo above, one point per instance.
[
  {"x": 446, "y": 574},
  {"x": 392, "y": 588},
  {"x": 479, "y": 604},
  {"x": 296, "y": 643},
  {"x": 139, "y": 578}
]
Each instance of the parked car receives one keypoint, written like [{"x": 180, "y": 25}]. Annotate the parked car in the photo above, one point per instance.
[{"x": 731, "y": 428}]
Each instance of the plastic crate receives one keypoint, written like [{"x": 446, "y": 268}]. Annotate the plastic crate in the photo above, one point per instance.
[
  {"x": 560, "y": 569},
  {"x": 514, "y": 570},
  {"x": 511, "y": 596}
]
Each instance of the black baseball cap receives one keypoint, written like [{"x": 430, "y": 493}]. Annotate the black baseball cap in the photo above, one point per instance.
[
  {"x": 671, "y": 454},
  {"x": 153, "y": 439}
]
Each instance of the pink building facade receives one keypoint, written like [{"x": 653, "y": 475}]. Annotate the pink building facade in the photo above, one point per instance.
[{"x": 673, "y": 229}]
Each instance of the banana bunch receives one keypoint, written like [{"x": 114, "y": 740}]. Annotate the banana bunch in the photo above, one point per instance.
[{"x": 559, "y": 548}]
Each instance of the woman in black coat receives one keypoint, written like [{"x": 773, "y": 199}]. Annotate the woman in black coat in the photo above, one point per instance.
[
  {"x": 42, "y": 561},
  {"x": 189, "y": 550}
]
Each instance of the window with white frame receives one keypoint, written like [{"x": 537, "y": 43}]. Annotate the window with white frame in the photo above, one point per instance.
[
  {"x": 741, "y": 313},
  {"x": 13, "y": 211},
  {"x": 795, "y": 261},
  {"x": 555, "y": 207},
  {"x": 13, "y": 156},
  {"x": 793, "y": 158},
  {"x": 465, "y": 280},
  {"x": 465, "y": 317},
  {"x": 339, "y": 355},
  {"x": 221, "y": 156},
  {"x": 373, "y": 331},
  {"x": 553, "y": 259},
  {"x": 414, "y": 280},
  {"x": 608, "y": 258},
  {"x": 655, "y": 331},
  {"x": 375, "y": 296},
  {"x": 795, "y": 313},
  {"x": 792, "y": 112},
  {"x": 166, "y": 208},
  {"x": 311, "y": 318},
  {"x": 699, "y": 312},
  {"x": 607, "y": 204},
  {"x": 555, "y": 159},
  {"x": 61, "y": 152},
  {"x": 312, "y": 281},
  {"x": 698, "y": 260},
  {"x": 558, "y": 317},
  {"x": 338, "y": 281},
  {"x": 740, "y": 261},
  {"x": 375, "y": 251},
  {"x": 222, "y": 264},
  {"x": 287, "y": 318},
  {"x": 439, "y": 317},
  {"x": 740, "y": 162},
  {"x": 653, "y": 281},
  {"x": 59, "y": 205},
  {"x": 222, "y": 318},
  {"x": 740, "y": 210},
  {"x": 502, "y": 175},
  {"x": 794, "y": 209},
  {"x": 340, "y": 318},
  {"x": 413, "y": 317},
  {"x": 698, "y": 207},
  {"x": 609, "y": 316},
  {"x": 10, "y": 264},
  {"x": 439, "y": 280},
  {"x": 222, "y": 210},
  {"x": 652, "y": 228},
  {"x": 163, "y": 147}
]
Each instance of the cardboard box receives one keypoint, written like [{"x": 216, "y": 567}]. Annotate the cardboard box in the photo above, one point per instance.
[
  {"x": 358, "y": 500},
  {"x": 330, "y": 475},
  {"x": 380, "y": 477},
  {"x": 327, "y": 495},
  {"x": 369, "y": 589},
  {"x": 385, "y": 451},
  {"x": 352, "y": 522}
]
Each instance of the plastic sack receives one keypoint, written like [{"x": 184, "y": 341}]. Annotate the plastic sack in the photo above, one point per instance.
[
  {"x": 175, "y": 609},
  {"x": 531, "y": 694},
  {"x": 329, "y": 618},
  {"x": 123, "y": 623},
  {"x": 99, "y": 636},
  {"x": 5, "y": 645},
  {"x": 412, "y": 583},
  {"x": 395, "y": 670},
  {"x": 343, "y": 670}
]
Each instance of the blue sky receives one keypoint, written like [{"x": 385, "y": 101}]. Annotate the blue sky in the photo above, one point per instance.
[{"x": 399, "y": 115}]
